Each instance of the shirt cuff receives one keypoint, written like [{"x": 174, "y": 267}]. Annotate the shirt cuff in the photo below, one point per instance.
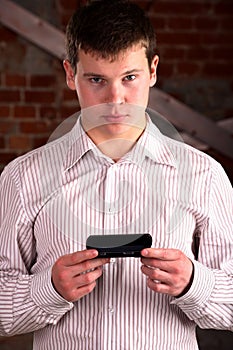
[
  {"x": 193, "y": 303},
  {"x": 46, "y": 297}
]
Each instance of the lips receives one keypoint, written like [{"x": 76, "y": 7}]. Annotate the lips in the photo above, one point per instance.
[{"x": 116, "y": 118}]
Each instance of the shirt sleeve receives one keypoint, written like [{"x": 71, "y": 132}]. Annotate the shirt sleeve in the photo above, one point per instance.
[
  {"x": 27, "y": 302},
  {"x": 209, "y": 301}
]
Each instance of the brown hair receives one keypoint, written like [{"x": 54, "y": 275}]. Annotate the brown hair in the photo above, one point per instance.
[{"x": 106, "y": 28}]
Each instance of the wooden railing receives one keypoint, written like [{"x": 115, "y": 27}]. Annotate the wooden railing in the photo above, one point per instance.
[{"x": 196, "y": 129}]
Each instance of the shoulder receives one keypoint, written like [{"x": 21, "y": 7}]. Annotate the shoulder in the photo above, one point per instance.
[
  {"x": 192, "y": 157},
  {"x": 48, "y": 153},
  {"x": 39, "y": 172}
]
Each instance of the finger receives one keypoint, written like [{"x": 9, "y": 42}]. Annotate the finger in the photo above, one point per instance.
[
  {"x": 78, "y": 257},
  {"x": 79, "y": 293},
  {"x": 157, "y": 275},
  {"x": 158, "y": 287},
  {"x": 70, "y": 288},
  {"x": 88, "y": 277},
  {"x": 168, "y": 266},
  {"x": 161, "y": 253},
  {"x": 87, "y": 266}
]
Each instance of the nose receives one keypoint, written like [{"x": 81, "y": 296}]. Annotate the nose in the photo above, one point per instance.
[{"x": 115, "y": 94}]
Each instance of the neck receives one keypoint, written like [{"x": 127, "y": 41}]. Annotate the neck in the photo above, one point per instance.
[{"x": 116, "y": 146}]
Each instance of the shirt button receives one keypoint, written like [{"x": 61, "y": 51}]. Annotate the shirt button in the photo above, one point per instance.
[
  {"x": 112, "y": 260},
  {"x": 111, "y": 209},
  {"x": 111, "y": 310}
]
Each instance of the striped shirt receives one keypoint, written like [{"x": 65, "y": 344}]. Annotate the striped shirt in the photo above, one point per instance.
[{"x": 54, "y": 197}]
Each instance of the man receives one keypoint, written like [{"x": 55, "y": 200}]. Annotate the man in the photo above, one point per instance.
[{"x": 114, "y": 172}]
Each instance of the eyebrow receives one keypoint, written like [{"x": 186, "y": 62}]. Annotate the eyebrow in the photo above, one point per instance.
[{"x": 92, "y": 74}]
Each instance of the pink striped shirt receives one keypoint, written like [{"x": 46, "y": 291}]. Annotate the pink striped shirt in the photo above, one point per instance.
[{"x": 54, "y": 197}]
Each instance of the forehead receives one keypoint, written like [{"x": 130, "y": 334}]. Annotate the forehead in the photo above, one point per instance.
[
  {"x": 112, "y": 56},
  {"x": 133, "y": 55}
]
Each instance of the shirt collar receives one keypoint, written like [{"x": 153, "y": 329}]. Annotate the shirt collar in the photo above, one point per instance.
[
  {"x": 78, "y": 145},
  {"x": 152, "y": 144}
]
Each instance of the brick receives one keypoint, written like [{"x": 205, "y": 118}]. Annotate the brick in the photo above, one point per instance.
[
  {"x": 205, "y": 23},
  {"x": 69, "y": 95},
  {"x": 38, "y": 128},
  {"x": 39, "y": 141},
  {"x": 24, "y": 111},
  {"x": 48, "y": 113},
  {"x": 70, "y": 5},
  {"x": 15, "y": 80},
  {"x": 6, "y": 157},
  {"x": 64, "y": 20},
  {"x": 18, "y": 142},
  {"x": 2, "y": 142},
  {"x": 217, "y": 69},
  {"x": 4, "y": 111},
  {"x": 223, "y": 53},
  {"x": 158, "y": 22},
  {"x": 218, "y": 38},
  {"x": 143, "y": 4},
  {"x": 181, "y": 7},
  {"x": 33, "y": 127},
  {"x": 9, "y": 95},
  {"x": 39, "y": 96},
  {"x": 224, "y": 8},
  {"x": 165, "y": 70},
  {"x": 178, "y": 38},
  {"x": 187, "y": 68},
  {"x": 226, "y": 23},
  {"x": 198, "y": 53},
  {"x": 169, "y": 53},
  {"x": 42, "y": 80},
  {"x": 69, "y": 111},
  {"x": 7, "y": 35},
  {"x": 180, "y": 23},
  {"x": 7, "y": 127}
]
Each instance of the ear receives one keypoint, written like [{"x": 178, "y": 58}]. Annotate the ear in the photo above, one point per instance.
[
  {"x": 69, "y": 74},
  {"x": 153, "y": 70}
]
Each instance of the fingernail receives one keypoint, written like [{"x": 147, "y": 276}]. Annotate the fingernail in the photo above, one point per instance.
[
  {"x": 145, "y": 252},
  {"x": 95, "y": 253}
]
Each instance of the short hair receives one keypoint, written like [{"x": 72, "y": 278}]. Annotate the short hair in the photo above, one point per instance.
[{"x": 107, "y": 27}]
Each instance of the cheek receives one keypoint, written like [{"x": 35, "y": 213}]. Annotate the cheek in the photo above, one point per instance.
[
  {"x": 85, "y": 96},
  {"x": 140, "y": 94}
]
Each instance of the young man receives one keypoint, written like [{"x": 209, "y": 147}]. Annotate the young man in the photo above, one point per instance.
[{"x": 114, "y": 172}]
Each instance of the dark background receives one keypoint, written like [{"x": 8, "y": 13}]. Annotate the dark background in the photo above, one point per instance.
[{"x": 195, "y": 45}]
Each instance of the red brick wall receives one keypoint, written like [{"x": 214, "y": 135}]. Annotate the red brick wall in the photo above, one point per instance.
[
  {"x": 194, "y": 38},
  {"x": 194, "y": 43},
  {"x": 31, "y": 106}
]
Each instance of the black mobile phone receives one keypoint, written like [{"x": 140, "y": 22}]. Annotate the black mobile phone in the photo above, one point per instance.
[{"x": 119, "y": 245}]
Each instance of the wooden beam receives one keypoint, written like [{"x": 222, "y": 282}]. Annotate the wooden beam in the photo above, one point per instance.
[
  {"x": 196, "y": 129},
  {"x": 33, "y": 28},
  {"x": 191, "y": 122},
  {"x": 226, "y": 124}
]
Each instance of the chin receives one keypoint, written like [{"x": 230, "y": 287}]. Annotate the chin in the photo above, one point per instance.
[{"x": 117, "y": 129}]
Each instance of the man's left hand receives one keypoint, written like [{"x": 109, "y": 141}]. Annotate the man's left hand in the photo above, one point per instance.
[{"x": 169, "y": 271}]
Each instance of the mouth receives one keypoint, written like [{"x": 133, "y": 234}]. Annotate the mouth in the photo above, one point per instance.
[{"x": 116, "y": 118}]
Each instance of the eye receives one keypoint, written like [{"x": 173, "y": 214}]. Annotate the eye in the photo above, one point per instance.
[
  {"x": 96, "y": 80},
  {"x": 130, "y": 77}
]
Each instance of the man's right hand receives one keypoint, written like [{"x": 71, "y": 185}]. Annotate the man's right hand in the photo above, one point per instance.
[{"x": 74, "y": 275}]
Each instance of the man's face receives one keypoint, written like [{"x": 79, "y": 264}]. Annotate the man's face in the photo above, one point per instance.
[{"x": 126, "y": 80}]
